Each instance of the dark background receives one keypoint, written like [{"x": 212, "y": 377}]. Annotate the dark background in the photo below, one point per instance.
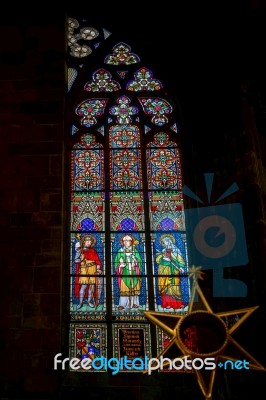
[{"x": 210, "y": 55}]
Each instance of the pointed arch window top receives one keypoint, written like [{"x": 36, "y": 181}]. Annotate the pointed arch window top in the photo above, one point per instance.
[
  {"x": 87, "y": 141},
  {"x": 89, "y": 110},
  {"x": 161, "y": 139},
  {"x": 156, "y": 107},
  {"x": 123, "y": 111},
  {"x": 144, "y": 81},
  {"x": 122, "y": 55},
  {"x": 102, "y": 82},
  {"x": 124, "y": 136}
]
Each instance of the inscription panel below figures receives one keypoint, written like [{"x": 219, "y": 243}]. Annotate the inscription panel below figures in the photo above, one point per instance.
[{"x": 132, "y": 341}]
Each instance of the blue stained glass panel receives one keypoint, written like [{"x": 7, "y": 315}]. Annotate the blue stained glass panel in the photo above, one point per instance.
[
  {"x": 127, "y": 224},
  {"x": 126, "y": 169},
  {"x": 167, "y": 224},
  {"x": 87, "y": 224},
  {"x": 163, "y": 168},
  {"x": 87, "y": 169}
]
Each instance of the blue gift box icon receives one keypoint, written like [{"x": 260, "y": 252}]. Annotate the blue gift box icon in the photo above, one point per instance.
[{"x": 216, "y": 240}]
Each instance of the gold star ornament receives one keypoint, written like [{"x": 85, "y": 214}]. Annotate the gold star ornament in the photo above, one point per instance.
[{"x": 201, "y": 340}]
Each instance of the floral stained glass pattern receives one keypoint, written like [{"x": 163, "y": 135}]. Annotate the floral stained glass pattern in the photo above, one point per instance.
[
  {"x": 123, "y": 136},
  {"x": 163, "y": 169},
  {"x": 87, "y": 169},
  {"x": 158, "y": 108},
  {"x": 144, "y": 81},
  {"x": 77, "y": 49},
  {"x": 122, "y": 55},
  {"x": 161, "y": 139},
  {"x": 87, "y": 141},
  {"x": 102, "y": 82},
  {"x": 89, "y": 110},
  {"x": 162, "y": 163},
  {"x": 126, "y": 167},
  {"x": 123, "y": 111}
]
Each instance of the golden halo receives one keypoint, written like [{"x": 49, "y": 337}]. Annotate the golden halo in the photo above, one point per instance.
[
  {"x": 92, "y": 238},
  {"x": 167, "y": 235}
]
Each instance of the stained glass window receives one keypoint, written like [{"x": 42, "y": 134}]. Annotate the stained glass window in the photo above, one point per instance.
[
  {"x": 127, "y": 236},
  {"x": 144, "y": 81},
  {"x": 121, "y": 54},
  {"x": 102, "y": 82}
]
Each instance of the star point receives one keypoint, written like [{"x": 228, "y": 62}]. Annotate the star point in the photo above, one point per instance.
[
  {"x": 195, "y": 273},
  {"x": 203, "y": 333}
]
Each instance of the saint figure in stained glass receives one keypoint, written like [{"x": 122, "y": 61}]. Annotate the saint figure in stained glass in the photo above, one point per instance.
[
  {"x": 88, "y": 267},
  {"x": 170, "y": 265},
  {"x": 128, "y": 266}
]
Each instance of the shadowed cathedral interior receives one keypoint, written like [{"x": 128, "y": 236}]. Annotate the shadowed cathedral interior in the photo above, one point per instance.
[{"x": 210, "y": 64}]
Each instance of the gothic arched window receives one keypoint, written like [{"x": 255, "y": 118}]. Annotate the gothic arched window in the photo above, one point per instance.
[{"x": 127, "y": 234}]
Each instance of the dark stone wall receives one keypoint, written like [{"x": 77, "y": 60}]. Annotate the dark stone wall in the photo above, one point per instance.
[{"x": 31, "y": 131}]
